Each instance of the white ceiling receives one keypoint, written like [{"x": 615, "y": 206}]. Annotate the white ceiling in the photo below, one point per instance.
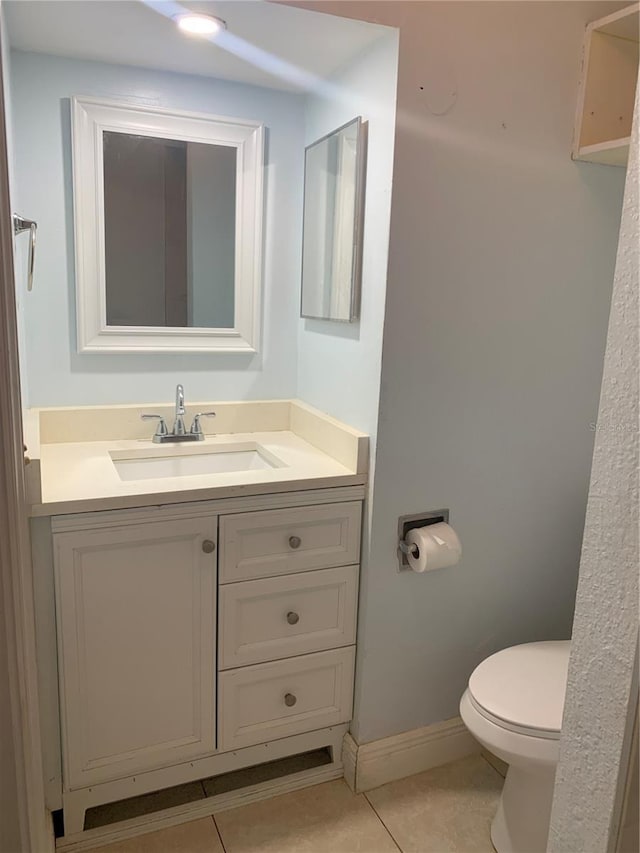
[{"x": 131, "y": 33}]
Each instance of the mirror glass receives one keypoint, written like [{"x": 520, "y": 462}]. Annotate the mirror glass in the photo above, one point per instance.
[
  {"x": 332, "y": 224},
  {"x": 169, "y": 231}
]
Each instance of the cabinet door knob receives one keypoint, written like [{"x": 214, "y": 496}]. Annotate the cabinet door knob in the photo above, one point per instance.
[
  {"x": 289, "y": 700},
  {"x": 292, "y": 617},
  {"x": 295, "y": 542},
  {"x": 208, "y": 546}
]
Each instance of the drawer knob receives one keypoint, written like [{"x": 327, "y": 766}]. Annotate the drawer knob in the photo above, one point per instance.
[
  {"x": 208, "y": 546},
  {"x": 289, "y": 700},
  {"x": 295, "y": 542},
  {"x": 292, "y": 617}
]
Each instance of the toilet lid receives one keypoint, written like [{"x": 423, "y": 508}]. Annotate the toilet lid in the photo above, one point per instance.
[{"x": 524, "y": 686}]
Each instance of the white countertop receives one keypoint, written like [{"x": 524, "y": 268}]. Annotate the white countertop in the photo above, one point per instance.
[{"x": 81, "y": 477}]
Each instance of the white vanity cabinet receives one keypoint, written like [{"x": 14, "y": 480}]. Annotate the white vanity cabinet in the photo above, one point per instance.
[{"x": 194, "y": 639}]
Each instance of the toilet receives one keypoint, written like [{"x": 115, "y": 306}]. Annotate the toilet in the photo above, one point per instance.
[{"x": 513, "y": 706}]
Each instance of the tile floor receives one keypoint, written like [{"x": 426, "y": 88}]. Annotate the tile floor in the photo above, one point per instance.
[{"x": 445, "y": 810}]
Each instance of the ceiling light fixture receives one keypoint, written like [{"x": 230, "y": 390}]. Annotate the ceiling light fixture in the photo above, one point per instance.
[{"x": 200, "y": 25}]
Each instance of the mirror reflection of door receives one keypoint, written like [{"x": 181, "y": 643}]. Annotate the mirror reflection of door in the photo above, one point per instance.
[
  {"x": 170, "y": 221},
  {"x": 343, "y": 247}
]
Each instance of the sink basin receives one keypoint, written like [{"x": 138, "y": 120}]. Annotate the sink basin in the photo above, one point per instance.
[{"x": 192, "y": 461}]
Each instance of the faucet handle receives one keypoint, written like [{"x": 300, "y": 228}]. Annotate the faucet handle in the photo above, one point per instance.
[
  {"x": 161, "y": 429},
  {"x": 196, "y": 429}
]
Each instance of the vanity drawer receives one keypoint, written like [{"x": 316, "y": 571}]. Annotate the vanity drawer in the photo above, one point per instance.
[
  {"x": 283, "y": 541},
  {"x": 274, "y": 700},
  {"x": 265, "y": 620}
]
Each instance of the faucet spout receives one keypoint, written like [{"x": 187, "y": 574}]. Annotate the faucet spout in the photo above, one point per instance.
[
  {"x": 179, "y": 427},
  {"x": 179, "y": 400}
]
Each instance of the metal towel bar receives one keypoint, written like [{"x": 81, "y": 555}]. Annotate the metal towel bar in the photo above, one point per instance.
[{"x": 21, "y": 224}]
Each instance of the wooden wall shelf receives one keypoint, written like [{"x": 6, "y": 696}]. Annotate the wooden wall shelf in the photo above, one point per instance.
[{"x": 607, "y": 88}]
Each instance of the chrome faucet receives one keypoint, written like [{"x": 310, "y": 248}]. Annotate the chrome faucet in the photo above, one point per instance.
[{"x": 179, "y": 432}]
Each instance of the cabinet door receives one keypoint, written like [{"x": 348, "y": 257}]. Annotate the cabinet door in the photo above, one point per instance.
[{"x": 136, "y": 645}]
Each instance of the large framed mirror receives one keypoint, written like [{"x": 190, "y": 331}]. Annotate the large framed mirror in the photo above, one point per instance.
[
  {"x": 168, "y": 229},
  {"x": 332, "y": 224}
]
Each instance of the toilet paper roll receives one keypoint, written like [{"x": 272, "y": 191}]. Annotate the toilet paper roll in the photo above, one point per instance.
[{"x": 438, "y": 547}]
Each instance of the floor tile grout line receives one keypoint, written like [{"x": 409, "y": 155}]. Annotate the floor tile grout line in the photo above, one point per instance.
[
  {"x": 388, "y": 831},
  {"x": 215, "y": 823}
]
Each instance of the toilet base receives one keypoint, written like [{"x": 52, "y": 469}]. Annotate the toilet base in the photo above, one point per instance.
[{"x": 521, "y": 824}]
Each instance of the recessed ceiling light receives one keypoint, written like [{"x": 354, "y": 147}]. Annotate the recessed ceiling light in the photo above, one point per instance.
[{"x": 200, "y": 25}]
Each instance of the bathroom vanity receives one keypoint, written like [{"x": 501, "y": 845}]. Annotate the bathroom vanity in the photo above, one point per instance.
[{"x": 204, "y": 622}]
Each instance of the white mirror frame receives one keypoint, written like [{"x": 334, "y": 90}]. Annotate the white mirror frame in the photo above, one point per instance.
[{"x": 90, "y": 118}]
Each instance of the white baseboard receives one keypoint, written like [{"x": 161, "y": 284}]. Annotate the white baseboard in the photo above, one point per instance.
[
  {"x": 349, "y": 760},
  {"x": 369, "y": 765}
]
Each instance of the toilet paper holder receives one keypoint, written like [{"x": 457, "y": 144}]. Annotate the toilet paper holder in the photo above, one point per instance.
[
  {"x": 410, "y": 522},
  {"x": 408, "y": 549}
]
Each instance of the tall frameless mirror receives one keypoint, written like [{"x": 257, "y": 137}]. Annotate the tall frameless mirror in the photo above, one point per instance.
[
  {"x": 332, "y": 224},
  {"x": 169, "y": 231}
]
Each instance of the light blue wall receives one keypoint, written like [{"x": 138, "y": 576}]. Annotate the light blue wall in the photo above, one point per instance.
[
  {"x": 339, "y": 364},
  {"x": 57, "y": 375},
  {"x": 501, "y": 264}
]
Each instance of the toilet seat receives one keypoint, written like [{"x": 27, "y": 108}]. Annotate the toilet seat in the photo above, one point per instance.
[
  {"x": 512, "y": 727},
  {"x": 522, "y": 689}
]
